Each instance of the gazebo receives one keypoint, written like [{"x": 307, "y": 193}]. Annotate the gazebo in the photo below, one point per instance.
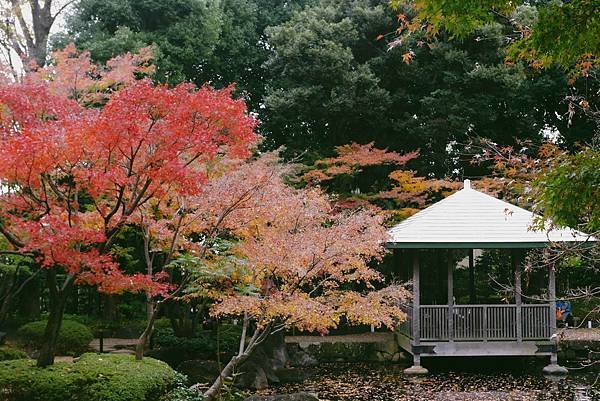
[{"x": 470, "y": 220}]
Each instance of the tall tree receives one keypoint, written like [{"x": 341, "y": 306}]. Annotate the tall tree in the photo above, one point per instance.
[
  {"x": 545, "y": 32},
  {"x": 25, "y": 28},
  {"x": 293, "y": 260},
  {"x": 76, "y": 175},
  {"x": 219, "y": 42},
  {"x": 337, "y": 79}
]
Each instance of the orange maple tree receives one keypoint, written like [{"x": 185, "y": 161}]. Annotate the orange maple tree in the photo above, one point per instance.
[
  {"x": 295, "y": 260},
  {"x": 400, "y": 191},
  {"x": 73, "y": 176}
]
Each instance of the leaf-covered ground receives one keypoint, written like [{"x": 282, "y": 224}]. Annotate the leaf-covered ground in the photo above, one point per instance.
[{"x": 370, "y": 382}]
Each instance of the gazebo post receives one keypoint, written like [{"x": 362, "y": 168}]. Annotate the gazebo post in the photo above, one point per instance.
[
  {"x": 516, "y": 262},
  {"x": 554, "y": 368},
  {"x": 472, "y": 294},
  {"x": 450, "y": 301},
  {"x": 416, "y": 369}
]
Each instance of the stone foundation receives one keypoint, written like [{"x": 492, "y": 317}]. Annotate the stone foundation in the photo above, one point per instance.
[
  {"x": 579, "y": 345},
  {"x": 369, "y": 347}
]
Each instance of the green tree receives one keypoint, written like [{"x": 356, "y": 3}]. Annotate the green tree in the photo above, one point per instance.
[
  {"x": 569, "y": 191},
  {"x": 546, "y": 31},
  {"x": 220, "y": 42},
  {"x": 324, "y": 92},
  {"x": 336, "y": 79}
]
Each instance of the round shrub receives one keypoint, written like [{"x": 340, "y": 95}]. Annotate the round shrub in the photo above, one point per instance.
[
  {"x": 9, "y": 353},
  {"x": 94, "y": 377},
  {"x": 181, "y": 391},
  {"x": 73, "y": 338}
]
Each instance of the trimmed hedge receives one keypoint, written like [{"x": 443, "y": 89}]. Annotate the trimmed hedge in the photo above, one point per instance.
[
  {"x": 8, "y": 353},
  {"x": 94, "y": 377},
  {"x": 205, "y": 342},
  {"x": 73, "y": 339}
]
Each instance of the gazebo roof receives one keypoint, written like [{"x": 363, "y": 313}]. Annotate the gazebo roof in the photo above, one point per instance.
[{"x": 472, "y": 219}]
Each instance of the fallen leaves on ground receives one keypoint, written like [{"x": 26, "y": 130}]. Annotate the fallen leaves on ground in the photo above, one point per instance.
[{"x": 379, "y": 382}]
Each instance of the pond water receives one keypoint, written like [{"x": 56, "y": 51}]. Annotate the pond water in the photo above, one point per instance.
[{"x": 449, "y": 380}]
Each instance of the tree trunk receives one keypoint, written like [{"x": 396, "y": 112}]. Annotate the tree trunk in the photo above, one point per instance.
[
  {"x": 30, "y": 300},
  {"x": 110, "y": 308},
  {"x": 149, "y": 307},
  {"x": 4, "y": 309},
  {"x": 243, "y": 354},
  {"x": 58, "y": 298},
  {"x": 11, "y": 289},
  {"x": 145, "y": 336},
  {"x": 211, "y": 393},
  {"x": 30, "y": 42}
]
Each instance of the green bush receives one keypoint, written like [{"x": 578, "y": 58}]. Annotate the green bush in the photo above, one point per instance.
[
  {"x": 206, "y": 342},
  {"x": 94, "y": 377},
  {"x": 181, "y": 391},
  {"x": 73, "y": 338},
  {"x": 8, "y": 353}
]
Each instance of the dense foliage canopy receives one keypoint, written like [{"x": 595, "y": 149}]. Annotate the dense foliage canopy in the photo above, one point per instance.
[{"x": 323, "y": 74}]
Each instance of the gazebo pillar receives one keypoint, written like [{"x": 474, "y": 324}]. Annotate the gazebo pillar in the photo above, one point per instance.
[
  {"x": 416, "y": 369},
  {"x": 472, "y": 294},
  {"x": 450, "y": 301},
  {"x": 516, "y": 262},
  {"x": 554, "y": 368}
]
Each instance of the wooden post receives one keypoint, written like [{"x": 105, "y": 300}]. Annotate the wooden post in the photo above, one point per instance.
[
  {"x": 450, "y": 264},
  {"x": 554, "y": 368},
  {"x": 485, "y": 323},
  {"x": 516, "y": 262},
  {"x": 472, "y": 296},
  {"x": 416, "y": 320},
  {"x": 552, "y": 305},
  {"x": 441, "y": 275},
  {"x": 416, "y": 368}
]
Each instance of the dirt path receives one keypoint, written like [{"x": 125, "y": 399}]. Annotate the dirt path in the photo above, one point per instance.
[{"x": 115, "y": 345}]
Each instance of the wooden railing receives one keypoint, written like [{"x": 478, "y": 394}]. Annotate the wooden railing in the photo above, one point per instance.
[{"x": 483, "y": 322}]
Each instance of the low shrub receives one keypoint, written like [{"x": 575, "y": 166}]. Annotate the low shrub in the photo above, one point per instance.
[
  {"x": 73, "y": 338},
  {"x": 204, "y": 345},
  {"x": 181, "y": 391},
  {"x": 166, "y": 338},
  {"x": 8, "y": 353},
  {"x": 206, "y": 342},
  {"x": 94, "y": 377}
]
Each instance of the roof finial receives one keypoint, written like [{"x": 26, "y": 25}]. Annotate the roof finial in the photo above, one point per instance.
[{"x": 467, "y": 184}]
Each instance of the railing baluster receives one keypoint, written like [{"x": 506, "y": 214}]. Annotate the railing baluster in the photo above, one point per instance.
[{"x": 483, "y": 322}]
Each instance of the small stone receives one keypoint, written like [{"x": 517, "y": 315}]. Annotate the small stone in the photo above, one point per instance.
[{"x": 555, "y": 370}]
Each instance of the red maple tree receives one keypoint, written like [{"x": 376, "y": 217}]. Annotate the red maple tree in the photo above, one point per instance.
[{"x": 73, "y": 176}]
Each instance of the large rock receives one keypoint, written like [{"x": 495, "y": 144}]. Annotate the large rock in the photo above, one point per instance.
[
  {"x": 284, "y": 397},
  {"x": 262, "y": 366}
]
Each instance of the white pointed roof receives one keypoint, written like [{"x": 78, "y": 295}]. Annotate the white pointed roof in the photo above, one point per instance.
[{"x": 472, "y": 219}]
